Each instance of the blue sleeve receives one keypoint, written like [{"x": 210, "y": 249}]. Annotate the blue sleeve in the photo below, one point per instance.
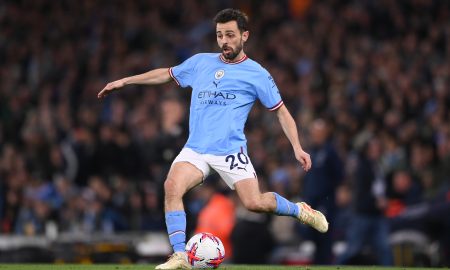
[
  {"x": 183, "y": 74},
  {"x": 268, "y": 92}
]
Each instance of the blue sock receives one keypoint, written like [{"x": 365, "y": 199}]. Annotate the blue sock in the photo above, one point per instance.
[
  {"x": 285, "y": 207},
  {"x": 176, "y": 228}
]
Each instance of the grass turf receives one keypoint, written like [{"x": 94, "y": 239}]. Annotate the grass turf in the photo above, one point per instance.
[{"x": 223, "y": 267}]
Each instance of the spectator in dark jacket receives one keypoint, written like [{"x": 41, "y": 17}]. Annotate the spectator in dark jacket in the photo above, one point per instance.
[
  {"x": 368, "y": 224},
  {"x": 319, "y": 186}
]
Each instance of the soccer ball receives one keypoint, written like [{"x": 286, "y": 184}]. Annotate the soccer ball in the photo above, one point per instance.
[{"x": 205, "y": 250}]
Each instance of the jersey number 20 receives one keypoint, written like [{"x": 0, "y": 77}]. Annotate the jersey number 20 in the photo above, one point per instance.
[{"x": 236, "y": 160}]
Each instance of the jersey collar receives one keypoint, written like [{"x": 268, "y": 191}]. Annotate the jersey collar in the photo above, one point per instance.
[{"x": 245, "y": 57}]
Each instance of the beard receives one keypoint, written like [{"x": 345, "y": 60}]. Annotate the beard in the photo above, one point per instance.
[{"x": 231, "y": 53}]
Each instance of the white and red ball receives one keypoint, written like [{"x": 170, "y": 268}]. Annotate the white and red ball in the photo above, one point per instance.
[{"x": 205, "y": 250}]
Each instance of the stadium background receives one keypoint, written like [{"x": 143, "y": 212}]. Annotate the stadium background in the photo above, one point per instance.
[{"x": 81, "y": 179}]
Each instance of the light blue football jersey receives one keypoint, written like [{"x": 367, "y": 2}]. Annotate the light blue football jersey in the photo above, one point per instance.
[{"x": 223, "y": 94}]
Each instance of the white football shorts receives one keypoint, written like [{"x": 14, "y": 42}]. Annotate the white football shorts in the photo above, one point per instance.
[{"x": 232, "y": 168}]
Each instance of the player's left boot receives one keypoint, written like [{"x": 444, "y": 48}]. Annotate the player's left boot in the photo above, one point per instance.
[
  {"x": 312, "y": 217},
  {"x": 178, "y": 260}
]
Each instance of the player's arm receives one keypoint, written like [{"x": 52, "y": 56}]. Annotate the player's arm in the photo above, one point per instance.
[
  {"x": 152, "y": 77},
  {"x": 290, "y": 129}
]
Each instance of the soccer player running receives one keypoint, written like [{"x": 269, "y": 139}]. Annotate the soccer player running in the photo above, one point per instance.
[{"x": 224, "y": 88}]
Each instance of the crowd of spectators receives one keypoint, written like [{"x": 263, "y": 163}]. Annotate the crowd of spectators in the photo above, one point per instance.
[{"x": 371, "y": 70}]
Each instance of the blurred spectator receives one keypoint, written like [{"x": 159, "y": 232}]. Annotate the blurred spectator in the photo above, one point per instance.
[
  {"x": 99, "y": 214},
  {"x": 251, "y": 239},
  {"x": 343, "y": 212},
  {"x": 319, "y": 186},
  {"x": 406, "y": 192},
  {"x": 33, "y": 218},
  {"x": 153, "y": 215},
  {"x": 368, "y": 224},
  {"x": 172, "y": 134}
]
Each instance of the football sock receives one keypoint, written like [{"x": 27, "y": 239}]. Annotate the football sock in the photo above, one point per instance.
[
  {"x": 176, "y": 228},
  {"x": 285, "y": 207}
]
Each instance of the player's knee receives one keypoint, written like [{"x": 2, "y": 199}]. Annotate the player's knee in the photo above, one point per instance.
[
  {"x": 252, "y": 205},
  {"x": 170, "y": 187}
]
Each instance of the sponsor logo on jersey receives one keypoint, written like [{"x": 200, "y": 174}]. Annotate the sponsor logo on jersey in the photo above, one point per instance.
[
  {"x": 215, "y": 97},
  {"x": 215, "y": 94}
]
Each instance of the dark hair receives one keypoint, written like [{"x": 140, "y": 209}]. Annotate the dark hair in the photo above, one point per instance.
[{"x": 229, "y": 14}]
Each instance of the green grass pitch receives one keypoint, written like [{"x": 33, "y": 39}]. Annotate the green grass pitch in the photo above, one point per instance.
[{"x": 223, "y": 267}]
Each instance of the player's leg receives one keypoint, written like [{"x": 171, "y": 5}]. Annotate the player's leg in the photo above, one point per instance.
[
  {"x": 183, "y": 176},
  {"x": 271, "y": 202},
  {"x": 250, "y": 195},
  {"x": 238, "y": 172}
]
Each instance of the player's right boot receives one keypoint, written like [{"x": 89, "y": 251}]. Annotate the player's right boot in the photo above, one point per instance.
[
  {"x": 178, "y": 260},
  {"x": 312, "y": 217}
]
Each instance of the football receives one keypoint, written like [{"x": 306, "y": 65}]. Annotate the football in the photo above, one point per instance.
[{"x": 205, "y": 250}]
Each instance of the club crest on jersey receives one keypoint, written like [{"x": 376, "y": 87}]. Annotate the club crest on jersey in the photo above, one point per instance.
[{"x": 219, "y": 74}]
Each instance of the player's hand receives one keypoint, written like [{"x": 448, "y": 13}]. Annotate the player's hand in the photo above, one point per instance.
[
  {"x": 111, "y": 87},
  {"x": 304, "y": 159}
]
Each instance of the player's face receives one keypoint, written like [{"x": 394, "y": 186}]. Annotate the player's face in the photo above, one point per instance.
[{"x": 231, "y": 40}]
